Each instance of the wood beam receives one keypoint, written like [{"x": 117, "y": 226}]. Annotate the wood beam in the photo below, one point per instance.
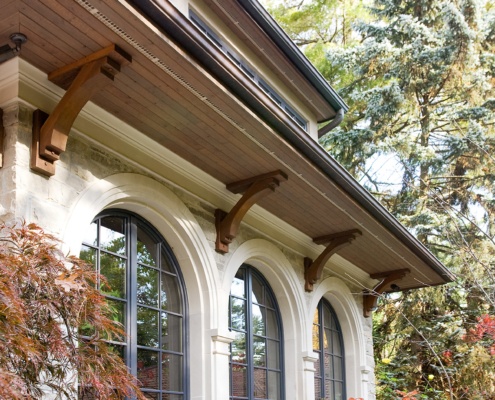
[
  {"x": 335, "y": 242},
  {"x": 253, "y": 189},
  {"x": 370, "y": 298},
  {"x": 82, "y": 79}
]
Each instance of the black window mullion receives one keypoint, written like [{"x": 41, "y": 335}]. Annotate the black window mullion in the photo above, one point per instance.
[
  {"x": 132, "y": 298},
  {"x": 249, "y": 333}
]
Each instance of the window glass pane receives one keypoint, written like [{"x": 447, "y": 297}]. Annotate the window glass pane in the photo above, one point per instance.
[
  {"x": 328, "y": 366},
  {"x": 272, "y": 324},
  {"x": 112, "y": 236},
  {"x": 172, "y": 397},
  {"x": 258, "y": 320},
  {"x": 153, "y": 396},
  {"x": 165, "y": 262},
  {"x": 171, "y": 332},
  {"x": 113, "y": 268},
  {"x": 337, "y": 348},
  {"x": 258, "y": 290},
  {"x": 238, "y": 348},
  {"x": 147, "y": 368},
  {"x": 170, "y": 293},
  {"x": 259, "y": 351},
  {"x": 329, "y": 394},
  {"x": 91, "y": 234},
  {"x": 146, "y": 248},
  {"x": 273, "y": 385},
  {"x": 237, "y": 288},
  {"x": 273, "y": 354},
  {"x": 327, "y": 317},
  {"x": 316, "y": 337},
  {"x": 327, "y": 340},
  {"x": 260, "y": 388},
  {"x": 118, "y": 349},
  {"x": 88, "y": 254},
  {"x": 339, "y": 392},
  {"x": 147, "y": 327},
  {"x": 238, "y": 314},
  {"x": 337, "y": 368},
  {"x": 172, "y": 372},
  {"x": 147, "y": 286},
  {"x": 239, "y": 381},
  {"x": 118, "y": 310}
]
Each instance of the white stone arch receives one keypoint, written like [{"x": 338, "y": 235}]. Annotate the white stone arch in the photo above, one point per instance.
[
  {"x": 350, "y": 318},
  {"x": 289, "y": 292},
  {"x": 169, "y": 215}
]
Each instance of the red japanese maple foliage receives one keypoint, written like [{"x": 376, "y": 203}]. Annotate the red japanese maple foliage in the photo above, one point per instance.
[
  {"x": 484, "y": 329},
  {"x": 44, "y": 298}
]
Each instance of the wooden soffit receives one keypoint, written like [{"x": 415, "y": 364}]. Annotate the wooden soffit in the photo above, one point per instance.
[{"x": 186, "y": 96}]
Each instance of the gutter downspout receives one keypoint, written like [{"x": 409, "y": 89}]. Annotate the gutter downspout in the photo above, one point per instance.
[{"x": 339, "y": 117}]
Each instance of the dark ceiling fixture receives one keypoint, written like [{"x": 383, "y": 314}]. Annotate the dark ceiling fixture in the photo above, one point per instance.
[{"x": 7, "y": 52}]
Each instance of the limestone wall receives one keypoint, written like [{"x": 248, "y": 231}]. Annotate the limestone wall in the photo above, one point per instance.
[{"x": 91, "y": 177}]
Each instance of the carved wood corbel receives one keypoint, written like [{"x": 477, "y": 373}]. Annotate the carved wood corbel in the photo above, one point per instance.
[
  {"x": 335, "y": 242},
  {"x": 370, "y": 298},
  {"x": 82, "y": 79},
  {"x": 253, "y": 189}
]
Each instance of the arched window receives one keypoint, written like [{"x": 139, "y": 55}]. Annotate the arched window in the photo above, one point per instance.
[
  {"x": 256, "y": 365},
  {"x": 146, "y": 291},
  {"x": 328, "y": 343}
]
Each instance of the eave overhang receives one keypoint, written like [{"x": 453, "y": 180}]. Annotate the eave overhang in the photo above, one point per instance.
[
  {"x": 188, "y": 97},
  {"x": 179, "y": 28}
]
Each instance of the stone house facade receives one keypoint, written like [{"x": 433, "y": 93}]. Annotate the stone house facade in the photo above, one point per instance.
[{"x": 128, "y": 125}]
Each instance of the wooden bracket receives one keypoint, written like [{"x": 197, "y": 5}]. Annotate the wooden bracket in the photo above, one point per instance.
[
  {"x": 82, "y": 79},
  {"x": 253, "y": 189},
  {"x": 336, "y": 241},
  {"x": 371, "y": 296}
]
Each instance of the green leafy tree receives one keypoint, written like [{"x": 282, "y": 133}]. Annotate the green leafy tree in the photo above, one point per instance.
[{"x": 46, "y": 299}]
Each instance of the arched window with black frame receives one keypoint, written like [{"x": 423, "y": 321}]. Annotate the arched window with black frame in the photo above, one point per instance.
[
  {"x": 328, "y": 344},
  {"x": 146, "y": 291},
  {"x": 256, "y": 364}
]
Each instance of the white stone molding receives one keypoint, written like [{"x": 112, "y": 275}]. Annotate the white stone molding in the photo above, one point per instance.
[
  {"x": 162, "y": 208},
  {"x": 349, "y": 314},
  {"x": 289, "y": 293}
]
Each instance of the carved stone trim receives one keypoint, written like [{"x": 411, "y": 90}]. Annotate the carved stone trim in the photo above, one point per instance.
[
  {"x": 336, "y": 241},
  {"x": 253, "y": 189},
  {"x": 82, "y": 79},
  {"x": 371, "y": 296}
]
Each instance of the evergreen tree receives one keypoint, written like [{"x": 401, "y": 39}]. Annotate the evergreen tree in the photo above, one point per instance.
[{"x": 418, "y": 77}]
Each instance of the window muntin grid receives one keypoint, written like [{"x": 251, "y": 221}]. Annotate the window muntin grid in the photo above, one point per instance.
[
  {"x": 145, "y": 288},
  {"x": 256, "y": 365},
  {"x": 328, "y": 344}
]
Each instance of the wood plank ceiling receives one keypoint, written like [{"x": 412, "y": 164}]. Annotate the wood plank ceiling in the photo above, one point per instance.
[{"x": 171, "y": 97}]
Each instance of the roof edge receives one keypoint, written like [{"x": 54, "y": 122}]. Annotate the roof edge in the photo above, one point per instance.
[
  {"x": 176, "y": 26},
  {"x": 295, "y": 55}
]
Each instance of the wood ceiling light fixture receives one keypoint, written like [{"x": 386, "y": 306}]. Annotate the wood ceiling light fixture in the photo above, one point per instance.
[
  {"x": 82, "y": 79},
  {"x": 253, "y": 189},
  {"x": 335, "y": 242},
  {"x": 370, "y": 298}
]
